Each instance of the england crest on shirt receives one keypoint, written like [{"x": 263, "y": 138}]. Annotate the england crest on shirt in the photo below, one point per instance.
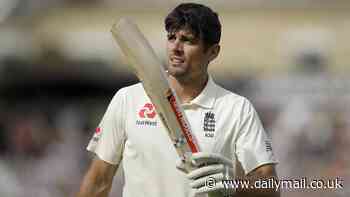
[{"x": 209, "y": 124}]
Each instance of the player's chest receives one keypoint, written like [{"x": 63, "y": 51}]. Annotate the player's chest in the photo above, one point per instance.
[{"x": 146, "y": 131}]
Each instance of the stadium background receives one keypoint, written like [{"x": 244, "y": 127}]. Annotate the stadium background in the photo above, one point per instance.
[{"x": 290, "y": 58}]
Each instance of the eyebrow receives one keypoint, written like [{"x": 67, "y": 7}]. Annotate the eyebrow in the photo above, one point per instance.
[{"x": 189, "y": 36}]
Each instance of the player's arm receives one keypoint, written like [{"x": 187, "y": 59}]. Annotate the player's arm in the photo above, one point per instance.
[
  {"x": 264, "y": 172},
  {"x": 254, "y": 152},
  {"x": 98, "y": 179}
]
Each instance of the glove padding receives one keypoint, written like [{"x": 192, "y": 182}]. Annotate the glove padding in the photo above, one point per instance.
[{"x": 210, "y": 170}]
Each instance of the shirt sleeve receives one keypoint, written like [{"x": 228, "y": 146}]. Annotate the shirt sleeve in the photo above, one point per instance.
[
  {"x": 253, "y": 145},
  {"x": 109, "y": 138}
]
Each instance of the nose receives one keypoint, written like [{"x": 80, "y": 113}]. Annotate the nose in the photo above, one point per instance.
[{"x": 177, "y": 45}]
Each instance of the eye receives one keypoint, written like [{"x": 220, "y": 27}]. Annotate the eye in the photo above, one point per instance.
[
  {"x": 171, "y": 37},
  {"x": 188, "y": 40}
]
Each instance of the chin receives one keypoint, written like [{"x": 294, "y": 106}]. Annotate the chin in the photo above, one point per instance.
[
  {"x": 176, "y": 71},
  {"x": 174, "y": 74}
]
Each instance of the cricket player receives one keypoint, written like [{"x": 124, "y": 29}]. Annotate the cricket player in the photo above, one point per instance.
[{"x": 229, "y": 133}]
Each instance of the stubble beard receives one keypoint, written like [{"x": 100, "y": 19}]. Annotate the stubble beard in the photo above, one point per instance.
[{"x": 180, "y": 73}]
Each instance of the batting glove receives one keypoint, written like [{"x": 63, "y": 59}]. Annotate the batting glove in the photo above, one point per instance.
[{"x": 210, "y": 171}]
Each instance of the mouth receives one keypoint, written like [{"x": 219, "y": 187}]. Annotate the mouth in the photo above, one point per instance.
[{"x": 176, "y": 60}]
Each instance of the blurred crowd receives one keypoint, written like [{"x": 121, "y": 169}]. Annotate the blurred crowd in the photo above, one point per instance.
[
  {"x": 42, "y": 152},
  {"x": 46, "y": 121},
  {"x": 309, "y": 127}
]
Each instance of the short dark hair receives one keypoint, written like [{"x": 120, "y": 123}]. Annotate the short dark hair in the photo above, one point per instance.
[{"x": 202, "y": 21}]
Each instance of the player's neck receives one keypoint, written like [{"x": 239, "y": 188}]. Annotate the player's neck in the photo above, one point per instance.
[{"x": 187, "y": 90}]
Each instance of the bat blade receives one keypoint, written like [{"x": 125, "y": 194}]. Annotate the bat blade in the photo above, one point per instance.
[{"x": 152, "y": 74}]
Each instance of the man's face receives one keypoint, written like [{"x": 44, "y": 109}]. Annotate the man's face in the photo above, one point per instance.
[{"x": 187, "y": 57}]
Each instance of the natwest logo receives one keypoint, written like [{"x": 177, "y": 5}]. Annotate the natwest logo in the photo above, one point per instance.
[
  {"x": 98, "y": 130},
  {"x": 147, "y": 111},
  {"x": 147, "y": 114}
]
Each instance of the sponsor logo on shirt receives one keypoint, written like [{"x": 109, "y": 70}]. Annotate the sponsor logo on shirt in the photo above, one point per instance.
[
  {"x": 98, "y": 132},
  {"x": 209, "y": 124},
  {"x": 147, "y": 111},
  {"x": 146, "y": 114}
]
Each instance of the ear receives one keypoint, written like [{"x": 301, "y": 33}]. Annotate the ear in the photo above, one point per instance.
[{"x": 213, "y": 52}]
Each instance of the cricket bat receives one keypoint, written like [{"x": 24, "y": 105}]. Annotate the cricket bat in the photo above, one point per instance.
[{"x": 153, "y": 76}]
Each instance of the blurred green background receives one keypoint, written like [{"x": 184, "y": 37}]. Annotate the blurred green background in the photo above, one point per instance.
[{"x": 59, "y": 68}]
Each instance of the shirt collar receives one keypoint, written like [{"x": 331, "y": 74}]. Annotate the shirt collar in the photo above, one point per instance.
[{"x": 207, "y": 97}]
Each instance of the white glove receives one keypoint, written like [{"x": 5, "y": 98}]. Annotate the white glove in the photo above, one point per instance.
[{"x": 210, "y": 170}]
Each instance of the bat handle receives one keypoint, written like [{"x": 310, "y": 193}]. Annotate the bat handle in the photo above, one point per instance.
[{"x": 186, "y": 159}]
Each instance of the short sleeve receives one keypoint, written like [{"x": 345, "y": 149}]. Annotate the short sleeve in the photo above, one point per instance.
[
  {"x": 109, "y": 138},
  {"x": 253, "y": 145}
]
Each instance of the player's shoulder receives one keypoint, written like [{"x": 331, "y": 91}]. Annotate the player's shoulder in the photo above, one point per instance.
[
  {"x": 137, "y": 87},
  {"x": 128, "y": 94},
  {"x": 126, "y": 91},
  {"x": 228, "y": 95},
  {"x": 134, "y": 91},
  {"x": 229, "y": 98}
]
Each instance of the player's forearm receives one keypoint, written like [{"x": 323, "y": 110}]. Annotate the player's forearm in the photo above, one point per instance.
[
  {"x": 252, "y": 191},
  {"x": 91, "y": 188},
  {"x": 98, "y": 180},
  {"x": 263, "y": 173}
]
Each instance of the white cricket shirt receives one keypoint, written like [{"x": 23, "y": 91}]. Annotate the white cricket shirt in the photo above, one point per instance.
[{"x": 131, "y": 132}]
